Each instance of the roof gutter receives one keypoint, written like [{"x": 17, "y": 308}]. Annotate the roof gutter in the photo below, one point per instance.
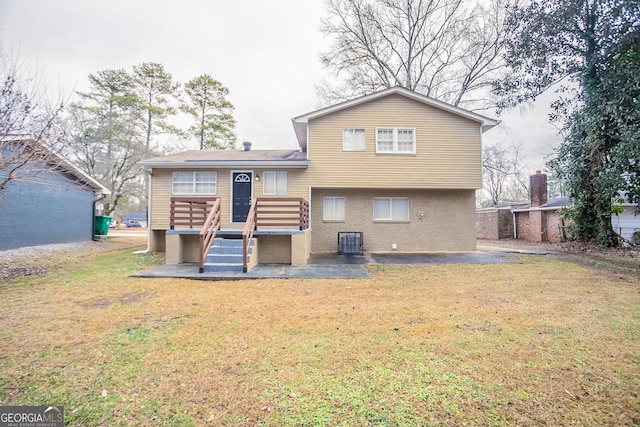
[
  {"x": 547, "y": 208},
  {"x": 191, "y": 164},
  {"x": 149, "y": 230}
]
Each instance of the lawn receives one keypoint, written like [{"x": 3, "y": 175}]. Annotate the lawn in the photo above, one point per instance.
[{"x": 545, "y": 341}]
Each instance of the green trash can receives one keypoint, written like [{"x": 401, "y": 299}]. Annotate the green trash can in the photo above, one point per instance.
[{"x": 102, "y": 224}]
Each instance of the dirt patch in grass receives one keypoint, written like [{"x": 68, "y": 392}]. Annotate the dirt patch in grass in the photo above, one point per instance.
[
  {"x": 544, "y": 341},
  {"x": 10, "y": 271},
  {"x": 41, "y": 260}
]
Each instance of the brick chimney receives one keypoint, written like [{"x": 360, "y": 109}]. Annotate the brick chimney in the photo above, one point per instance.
[{"x": 538, "y": 187}]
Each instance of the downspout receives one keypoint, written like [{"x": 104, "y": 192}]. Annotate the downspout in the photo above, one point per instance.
[
  {"x": 515, "y": 225},
  {"x": 93, "y": 217},
  {"x": 148, "y": 249}
]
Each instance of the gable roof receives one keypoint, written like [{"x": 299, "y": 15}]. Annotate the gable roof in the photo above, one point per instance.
[
  {"x": 229, "y": 158},
  {"x": 57, "y": 162},
  {"x": 300, "y": 122}
]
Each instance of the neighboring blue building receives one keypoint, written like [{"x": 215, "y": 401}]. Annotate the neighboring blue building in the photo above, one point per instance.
[
  {"x": 140, "y": 216},
  {"x": 51, "y": 201}
]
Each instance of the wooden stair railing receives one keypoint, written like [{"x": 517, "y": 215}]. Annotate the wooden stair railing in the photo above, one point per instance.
[
  {"x": 247, "y": 235},
  {"x": 208, "y": 232}
]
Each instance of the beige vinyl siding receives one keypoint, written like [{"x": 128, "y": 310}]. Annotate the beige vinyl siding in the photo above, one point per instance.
[
  {"x": 160, "y": 195},
  {"x": 161, "y": 192},
  {"x": 448, "y": 148},
  {"x": 449, "y": 222}
]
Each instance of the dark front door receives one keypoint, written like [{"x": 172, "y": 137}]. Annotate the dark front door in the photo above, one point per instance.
[{"x": 241, "y": 195}]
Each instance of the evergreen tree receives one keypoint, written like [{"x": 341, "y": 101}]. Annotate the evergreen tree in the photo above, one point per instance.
[
  {"x": 155, "y": 88},
  {"x": 207, "y": 104}
]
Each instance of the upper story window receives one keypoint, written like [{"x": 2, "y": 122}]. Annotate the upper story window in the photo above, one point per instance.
[
  {"x": 275, "y": 183},
  {"x": 395, "y": 140},
  {"x": 353, "y": 140},
  {"x": 333, "y": 209},
  {"x": 391, "y": 209},
  {"x": 194, "y": 182}
]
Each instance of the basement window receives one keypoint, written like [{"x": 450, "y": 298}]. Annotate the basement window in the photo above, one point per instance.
[
  {"x": 333, "y": 209},
  {"x": 391, "y": 209}
]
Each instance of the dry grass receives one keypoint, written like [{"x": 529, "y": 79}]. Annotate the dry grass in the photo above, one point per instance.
[{"x": 541, "y": 342}]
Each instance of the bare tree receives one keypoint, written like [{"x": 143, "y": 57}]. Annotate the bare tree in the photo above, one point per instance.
[
  {"x": 503, "y": 173},
  {"x": 444, "y": 49},
  {"x": 29, "y": 135}
]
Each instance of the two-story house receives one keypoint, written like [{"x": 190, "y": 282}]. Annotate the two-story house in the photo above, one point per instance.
[{"x": 390, "y": 171}]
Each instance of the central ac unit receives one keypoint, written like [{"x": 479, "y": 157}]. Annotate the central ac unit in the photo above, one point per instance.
[{"x": 350, "y": 242}]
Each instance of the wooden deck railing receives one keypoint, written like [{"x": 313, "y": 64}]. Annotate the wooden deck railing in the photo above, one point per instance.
[
  {"x": 284, "y": 212},
  {"x": 208, "y": 232},
  {"x": 190, "y": 211}
]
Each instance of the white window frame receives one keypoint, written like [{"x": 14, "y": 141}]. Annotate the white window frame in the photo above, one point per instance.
[
  {"x": 194, "y": 182},
  {"x": 353, "y": 132},
  {"x": 396, "y": 149},
  {"x": 276, "y": 176},
  {"x": 336, "y": 217},
  {"x": 392, "y": 218}
]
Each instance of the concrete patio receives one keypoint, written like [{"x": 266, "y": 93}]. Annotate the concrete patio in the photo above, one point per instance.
[{"x": 334, "y": 266}]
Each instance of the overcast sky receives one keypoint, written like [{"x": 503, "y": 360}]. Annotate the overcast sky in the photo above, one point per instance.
[{"x": 264, "y": 52}]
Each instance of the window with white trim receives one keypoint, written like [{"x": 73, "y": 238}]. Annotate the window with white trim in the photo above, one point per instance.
[
  {"x": 391, "y": 209},
  {"x": 194, "y": 182},
  {"x": 353, "y": 140},
  {"x": 396, "y": 140},
  {"x": 333, "y": 209},
  {"x": 275, "y": 183}
]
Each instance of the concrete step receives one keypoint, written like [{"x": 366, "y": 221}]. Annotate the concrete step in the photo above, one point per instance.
[
  {"x": 225, "y": 255},
  {"x": 226, "y": 267},
  {"x": 228, "y": 246},
  {"x": 225, "y": 250},
  {"x": 224, "y": 258},
  {"x": 220, "y": 242}
]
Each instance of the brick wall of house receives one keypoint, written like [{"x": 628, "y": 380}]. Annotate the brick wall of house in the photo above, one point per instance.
[
  {"x": 554, "y": 224},
  {"x": 449, "y": 222},
  {"x": 46, "y": 210},
  {"x": 487, "y": 224},
  {"x": 494, "y": 224},
  {"x": 523, "y": 225},
  {"x": 547, "y": 228}
]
